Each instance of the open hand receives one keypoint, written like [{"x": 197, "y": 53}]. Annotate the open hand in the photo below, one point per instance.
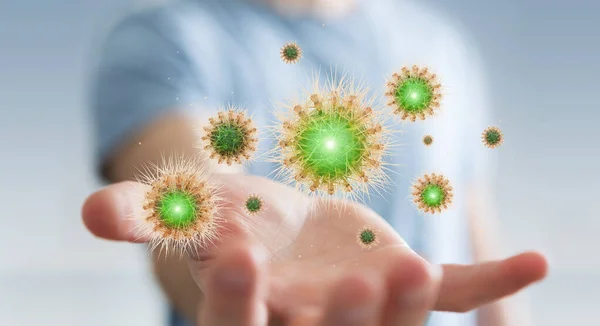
[{"x": 299, "y": 262}]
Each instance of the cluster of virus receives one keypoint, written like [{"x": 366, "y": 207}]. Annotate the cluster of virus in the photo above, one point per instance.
[{"x": 331, "y": 142}]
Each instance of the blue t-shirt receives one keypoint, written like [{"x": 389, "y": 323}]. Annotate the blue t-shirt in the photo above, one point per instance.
[{"x": 199, "y": 55}]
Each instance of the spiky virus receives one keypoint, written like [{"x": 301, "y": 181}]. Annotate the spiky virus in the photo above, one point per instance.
[
  {"x": 230, "y": 137},
  {"x": 333, "y": 142},
  {"x": 367, "y": 237},
  {"x": 181, "y": 208},
  {"x": 254, "y": 204},
  {"x": 432, "y": 193},
  {"x": 414, "y": 93},
  {"x": 427, "y": 140},
  {"x": 492, "y": 137},
  {"x": 291, "y": 53}
]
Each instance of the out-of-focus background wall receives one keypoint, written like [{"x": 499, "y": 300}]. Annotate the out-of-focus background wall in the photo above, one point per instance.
[{"x": 542, "y": 63}]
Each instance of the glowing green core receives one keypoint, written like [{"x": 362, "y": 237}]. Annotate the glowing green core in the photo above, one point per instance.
[
  {"x": 331, "y": 145},
  {"x": 253, "y": 204},
  {"x": 433, "y": 195},
  {"x": 367, "y": 236},
  {"x": 227, "y": 139},
  {"x": 414, "y": 94},
  {"x": 492, "y": 137},
  {"x": 290, "y": 52},
  {"x": 177, "y": 209}
]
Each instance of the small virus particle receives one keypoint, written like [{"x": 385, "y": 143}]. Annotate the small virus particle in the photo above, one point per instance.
[
  {"x": 492, "y": 137},
  {"x": 432, "y": 193},
  {"x": 230, "y": 137},
  {"x": 181, "y": 208},
  {"x": 367, "y": 237},
  {"x": 291, "y": 53},
  {"x": 427, "y": 140},
  {"x": 333, "y": 142},
  {"x": 254, "y": 204},
  {"x": 414, "y": 93}
]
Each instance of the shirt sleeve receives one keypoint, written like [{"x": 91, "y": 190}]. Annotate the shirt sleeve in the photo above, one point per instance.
[{"x": 142, "y": 73}]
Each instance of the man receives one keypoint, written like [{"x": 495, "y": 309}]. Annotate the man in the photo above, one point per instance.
[{"x": 163, "y": 71}]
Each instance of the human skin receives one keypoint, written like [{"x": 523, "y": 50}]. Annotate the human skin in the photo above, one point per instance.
[{"x": 391, "y": 283}]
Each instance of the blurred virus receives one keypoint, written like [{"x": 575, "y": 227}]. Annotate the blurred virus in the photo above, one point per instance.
[
  {"x": 230, "y": 137},
  {"x": 432, "y": 193},
  {"x": 492, "y": 137},
  {"x": 367, "y": 237},
  {"x": 414, "y": 93},
  {"x": 291, "y": 53},
  {"x": 254, "y": 204},
  {"x": 181, "y": 207},
  {"x": 427, "y": 140},
  {"x": 333, "y": 141}
]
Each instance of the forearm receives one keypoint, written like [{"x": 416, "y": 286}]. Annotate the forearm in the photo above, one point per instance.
[{"x": 168, "y": 134}]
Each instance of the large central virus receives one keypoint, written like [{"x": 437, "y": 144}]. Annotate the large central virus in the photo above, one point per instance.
[
  {"x": 414, "y": 93},
  {"x": 333, "y": 142},
  {"x": 181, "y": 206},
  {"x": 230, "y": 137}
]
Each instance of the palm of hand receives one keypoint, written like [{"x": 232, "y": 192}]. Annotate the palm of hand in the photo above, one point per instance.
[{"x": 310, "y": 237}]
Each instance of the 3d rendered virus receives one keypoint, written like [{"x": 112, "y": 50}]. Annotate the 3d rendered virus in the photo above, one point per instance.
[
  {"x": 291, "y": 53},
  {"x": 492, "y": 137},
  {"x": 414, "y": 93},
  {"x": 334, "y": 142},
  {"x": 254, "y": 204},
  {"x": 427, "y": 140},
  {"x": 230, "y": 137},
  {"x": 367, "y": 237},
  {"x": 180, "y": 210},
  {"x": 432, "y": 193}
]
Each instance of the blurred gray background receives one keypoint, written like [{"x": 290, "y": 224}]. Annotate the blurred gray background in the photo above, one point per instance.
[{"x": 542, "y": 60}]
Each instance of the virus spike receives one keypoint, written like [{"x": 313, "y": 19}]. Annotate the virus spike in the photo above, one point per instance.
[
  {"x": 291, "y": 53},
  {"x": 180, "y": 209},
  {"x": 413, "y": 93},
  {"x": 333, "y": 142},
  {"x": 230, "y": 137},
  {"x": 492, "y": 137},
  {"x": 367, "y": 237},
  {"x": 432, "y": 193}
]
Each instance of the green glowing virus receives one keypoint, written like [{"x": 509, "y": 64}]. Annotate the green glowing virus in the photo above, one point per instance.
[
  {"x": 367, "y": 237},
  {"x": 432, "y": 193},
  {"x": 414, "y": 93},
  {"x": 492, "y": 137},
  {"x": 427, "y": 140},
  {"x": 254, "y": 204},
  {"x": 291, "y": 53},
  {"x": 230, "y": 137},
  {"x": 333, "y": 142},
  {"x": 181, "y": 206}
]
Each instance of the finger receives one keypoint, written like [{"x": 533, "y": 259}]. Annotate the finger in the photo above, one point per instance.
[
  {"x": 354, "y": 301},
  {"x": 235, "y": 289},
  {"x": 109, "y": 213},
  {"x": 412, "y": 286},
  {"x": 465, "y": 287}
]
